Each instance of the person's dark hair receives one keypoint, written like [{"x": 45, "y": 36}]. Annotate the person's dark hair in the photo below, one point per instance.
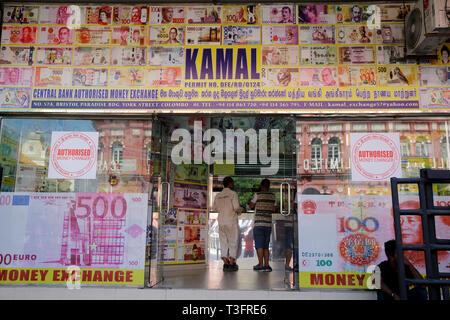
[
  {"x": 444, "y": 48},
  {"x": 390, "y": 248},
  {"x": 265, "y": 183},
  {"x": 227, "y": 181}
]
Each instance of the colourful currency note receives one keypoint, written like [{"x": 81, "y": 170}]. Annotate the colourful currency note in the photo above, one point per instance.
[
  {"x": 318, "y": 55},
  {"x": 397, "y": 76},
  {"x": 434, "y": 76},
  {"x": 318, "y": 77},
  {"x": 279, "y": 77},
  {"x": 91, "y": 56},
  {"x": 21, "y": 14},
  {"x": 93, "y": 36},
  {"x": 280, "y": 56},
  {"x": 55, "y": 36},
  {"x": 128, "y": 56},
  {"x": 204, "y": 15},
  {"x": 317, "y": 35},
  {"x": 62, "y": 15},
  {"x": 90, "y": 77},
  {"x": 354, "y": 34},
  {"x": 126, "y": 77},
  {"x": 97, "y": 15},
  {"x": 53, "y": 77},
  {"x": 203, "y": 35},
  {"x": 16, "y": 76},
  {"x": 391, "y": 55},
  {"x": 242, "y": 14},
  {"x": 15, "y": 97},
  {"x": 280, "y": 35},
  {"x": 19, "y": 56},
  {"x": 137, "y": 15},
  {"x": 165, "y": 77},
  {"x": 129, "y": 36},
  {"x": 188, "y": 195},
  {"x": 434, "y": 97},
  {"x": 167, "y": 15},
  {"x": 166, "y": 35},
  {"x": 166, "y": 56},
  {"x": 393, "y": 33},
  {"x": 54, "y": 56},
  {"x": 356, "y": 55},
  {"x": 357, "y": 76},
  {"x": 18, "y": 35},
  {"x": 241, "y": 35},
  {"x": 271, "y": 14},
  {"x": 316, "y": 14},
  {"x": 394, "y": 12},
  {"x": 357, "y": 13}
]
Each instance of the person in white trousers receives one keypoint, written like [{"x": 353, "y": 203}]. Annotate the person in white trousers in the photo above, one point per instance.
[{"x": 226, "y": 204}]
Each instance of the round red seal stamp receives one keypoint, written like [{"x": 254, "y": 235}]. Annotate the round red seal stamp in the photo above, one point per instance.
[
  {"x": 73, "y": 154},
  {"x": 359, "y": 249},
  {"x": 376, "y": 156}
]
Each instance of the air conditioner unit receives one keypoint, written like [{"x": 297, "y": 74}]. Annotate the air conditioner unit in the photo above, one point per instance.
[{"x": 426, "y": 27}]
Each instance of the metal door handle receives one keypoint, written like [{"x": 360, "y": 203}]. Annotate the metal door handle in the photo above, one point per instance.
[
  {"x": 289, "y": 199},
  {"x": 168, "y": 196}
]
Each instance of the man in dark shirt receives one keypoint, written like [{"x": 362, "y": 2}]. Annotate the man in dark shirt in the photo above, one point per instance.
[{"x": 389, "y": 277}]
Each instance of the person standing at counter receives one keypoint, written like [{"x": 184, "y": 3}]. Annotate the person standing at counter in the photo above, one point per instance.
[
  {"x": 264, "y": 203},
  {"x": 227, "y": 205}
]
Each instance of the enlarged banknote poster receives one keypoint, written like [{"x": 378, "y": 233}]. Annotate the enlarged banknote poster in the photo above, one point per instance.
[
  {"x": 194, "y": 173},
  {"x": 91, "y": 56},
  {"x": 13, "y": 97},
  {"x": 193, "y": 252},
  {"x": 318, "y": 55},
  {"x": 241, "y": 35},
  {"x": 241, "y": 14},
  {"x": 167, "y": 15},
  {"x": 394, "y": 12},
  {"x": 53, "y": 77},
  {"x": 90, "y": 77},
  {"x": 18, "y": 35},
  {"x": 204, "y": 15},
  {"x": 166, "y": 35},
  {"x": 103, "y": 234},
  {"x": 282, "y": 13},
  {"x": 356, "y": 13},
  {"x": 316, "y": 14},
  {"x": 356, "y": 55},
  {"x": 59, "y": 56},
  {"x": 126, "y": 77},
  {"x": 55, "y": 36},
  {"x": 391, "y": 55},
  {"x": 128, "y": 56},
  {"x": 280, "y": 56},
  {"x": 138, "y": 15},
  {"x": 397, "y": 76},
  {"x": 357, "y": 76},
  {"x": 92, "y": 36},
  {"x": 165, "y": 76},
  {"x": 203, "y": 35},
  {"x": 393, "y": 33},
  {"x": 354, "y": 34},
  {"x": 279, "y": 35},
  {"x": 434, "y": 98},
  {"x": 96, "y": 15},
  {"x": 317, "y": 35},
  {"x": 18, "y": 56},
  {"x": 318, "y": 77},
  {"x": 280, "y": 77},
  {"x": 189, "y": 217},
  {"x": 166, "y": 56},
  {"x": 434, "y": 76},
  {"x": 189, "y": 195},
  {"x": 16, "y": 76},
  {"x": 61, "y": 15},
  {"x": 129, "y": 36},
  {"x": 21, "y": 14}
]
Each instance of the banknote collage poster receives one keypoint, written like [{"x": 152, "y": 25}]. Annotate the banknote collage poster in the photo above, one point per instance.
[
  {"x": 186, "y": 223},
  {"x": 210, "y": 57}
]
